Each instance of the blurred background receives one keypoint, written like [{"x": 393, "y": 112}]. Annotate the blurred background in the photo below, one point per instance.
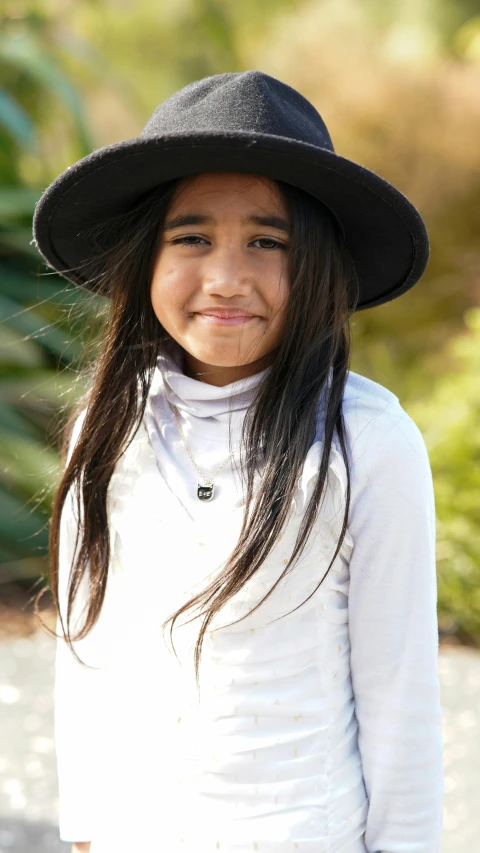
[{"x": 398, "y": 85}]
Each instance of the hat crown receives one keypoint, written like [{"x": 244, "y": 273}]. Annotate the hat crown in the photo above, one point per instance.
[
  {"x": 248, "y": 102},
  {"x": 244, "y": 122}
]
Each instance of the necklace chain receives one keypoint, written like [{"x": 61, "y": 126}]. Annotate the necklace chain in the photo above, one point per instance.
[{"x": 208, "y": 481}]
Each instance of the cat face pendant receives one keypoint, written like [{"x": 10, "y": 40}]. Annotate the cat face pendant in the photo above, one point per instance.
[{"x": 205, "y": 493}]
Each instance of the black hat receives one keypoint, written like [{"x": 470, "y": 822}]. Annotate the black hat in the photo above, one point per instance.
[{"x": 238, "y": 122}]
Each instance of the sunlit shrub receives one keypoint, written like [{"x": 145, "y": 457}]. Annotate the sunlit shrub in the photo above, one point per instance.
[{"x": 450, "y": 422}]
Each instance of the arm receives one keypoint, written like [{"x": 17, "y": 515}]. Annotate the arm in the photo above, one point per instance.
[
  {"x": 81, "y": 847},
  {"x": 394, "y": 635},
  {"x": 77, "y": 717}
]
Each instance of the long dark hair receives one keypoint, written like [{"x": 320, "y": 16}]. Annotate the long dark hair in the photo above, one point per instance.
[{"x": 310, "y": 363}]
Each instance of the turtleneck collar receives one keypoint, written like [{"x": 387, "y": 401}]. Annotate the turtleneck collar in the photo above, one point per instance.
[
  {"x": 211, "y": 420},
  {"x": 195, "y": 398}
]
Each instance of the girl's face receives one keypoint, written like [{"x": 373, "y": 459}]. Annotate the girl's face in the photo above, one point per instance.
[{"x": 220, "y": 283}]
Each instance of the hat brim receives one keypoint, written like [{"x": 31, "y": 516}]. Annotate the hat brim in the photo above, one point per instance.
[{"x": 384, "y": 232}]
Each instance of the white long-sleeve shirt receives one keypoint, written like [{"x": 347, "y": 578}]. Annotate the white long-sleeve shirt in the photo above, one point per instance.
[{"x": 320, "y": 731}]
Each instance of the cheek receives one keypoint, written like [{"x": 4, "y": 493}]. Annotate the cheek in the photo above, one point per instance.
[
  {"x": 278, "y": 290},
  {"x": 278, "y": 293},
  {"x": 169, "y": 290}
]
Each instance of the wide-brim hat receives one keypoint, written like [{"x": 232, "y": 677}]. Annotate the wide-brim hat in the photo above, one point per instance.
[{"x": 237, "y": 122}]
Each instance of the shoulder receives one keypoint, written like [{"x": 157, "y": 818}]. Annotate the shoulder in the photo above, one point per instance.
[
  {"x": 372, "y": 411},
  {"x": 391, "y": 483},
  {"x": 383, "y": 440},
  {"x": 368, "y": 402}
]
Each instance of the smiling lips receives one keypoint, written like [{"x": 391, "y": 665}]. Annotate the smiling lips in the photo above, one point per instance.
[{"x": 225, "y": 316}]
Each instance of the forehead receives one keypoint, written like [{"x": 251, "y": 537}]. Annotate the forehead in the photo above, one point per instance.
[{"x": 224, "y": 188}]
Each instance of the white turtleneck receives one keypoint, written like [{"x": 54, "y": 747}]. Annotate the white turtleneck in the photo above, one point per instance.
[
  {"x": 320, "y": 731},
  {"x": 207, "y": 415}
]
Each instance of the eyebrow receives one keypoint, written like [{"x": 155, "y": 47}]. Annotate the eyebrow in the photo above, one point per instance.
[{"x": 199, "y": 219}]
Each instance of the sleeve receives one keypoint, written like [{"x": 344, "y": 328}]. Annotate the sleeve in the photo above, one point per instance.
[
  {"x": 77, "y": 718},
  {"x": 394, "y": 635}
]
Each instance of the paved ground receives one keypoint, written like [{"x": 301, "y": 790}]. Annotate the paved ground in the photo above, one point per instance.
[{"x": 28, "y": 792}]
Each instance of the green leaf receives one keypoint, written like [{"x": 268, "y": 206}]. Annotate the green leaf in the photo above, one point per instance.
[
  {"x": 27, "y": 321},
  {"x": 24, "y": 52},
  {"x": 18, "y": 240},
  {"x": 12, "y": 570},
  {"x": 27, "y": 464},
  {"x": 45, "y": 390},
  {"x": 18, "y": 351},
  {"x": 17, "y": 201},
  {"x": 32, "y": 287},
  {"x": 21, "y": 528},
  {"x": 15, "y": 120},
  {"x": 13, "y": 422}
]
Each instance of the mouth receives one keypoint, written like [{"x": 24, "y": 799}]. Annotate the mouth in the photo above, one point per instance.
[{"x": 225, "y": 317}]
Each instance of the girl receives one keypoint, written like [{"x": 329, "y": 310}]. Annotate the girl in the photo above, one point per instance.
[{"x": 242, "y": 544}]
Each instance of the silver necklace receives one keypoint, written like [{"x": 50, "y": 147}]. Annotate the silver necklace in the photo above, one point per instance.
[{"x": 205, "y": 492}]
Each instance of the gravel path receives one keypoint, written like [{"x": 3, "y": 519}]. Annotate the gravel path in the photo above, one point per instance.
[{"x": 28, "y": 789}]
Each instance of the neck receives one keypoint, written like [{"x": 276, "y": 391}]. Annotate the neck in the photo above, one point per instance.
[{"x": 220, "y": 375}]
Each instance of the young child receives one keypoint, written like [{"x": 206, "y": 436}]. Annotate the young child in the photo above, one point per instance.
[{"x": 243, "y": 541}]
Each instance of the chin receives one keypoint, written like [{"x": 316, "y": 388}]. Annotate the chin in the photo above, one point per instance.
[
  {"x": 225, "y": 353},
  {"x": 224, "y": 360}
]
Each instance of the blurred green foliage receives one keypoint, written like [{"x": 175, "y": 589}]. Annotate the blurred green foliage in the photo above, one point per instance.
[
  {"x": 450, "y": 422},
  {"x": 398, "y": 86},
  {"x": 39, "y": 342}
]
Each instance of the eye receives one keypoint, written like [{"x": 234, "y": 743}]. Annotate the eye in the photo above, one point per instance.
[
  {"x": 273, "y": 244},
  {"x": 187, "y": 240}
]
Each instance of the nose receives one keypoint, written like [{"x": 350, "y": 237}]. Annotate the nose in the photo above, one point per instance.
[{"x": 225, "y": 273}]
